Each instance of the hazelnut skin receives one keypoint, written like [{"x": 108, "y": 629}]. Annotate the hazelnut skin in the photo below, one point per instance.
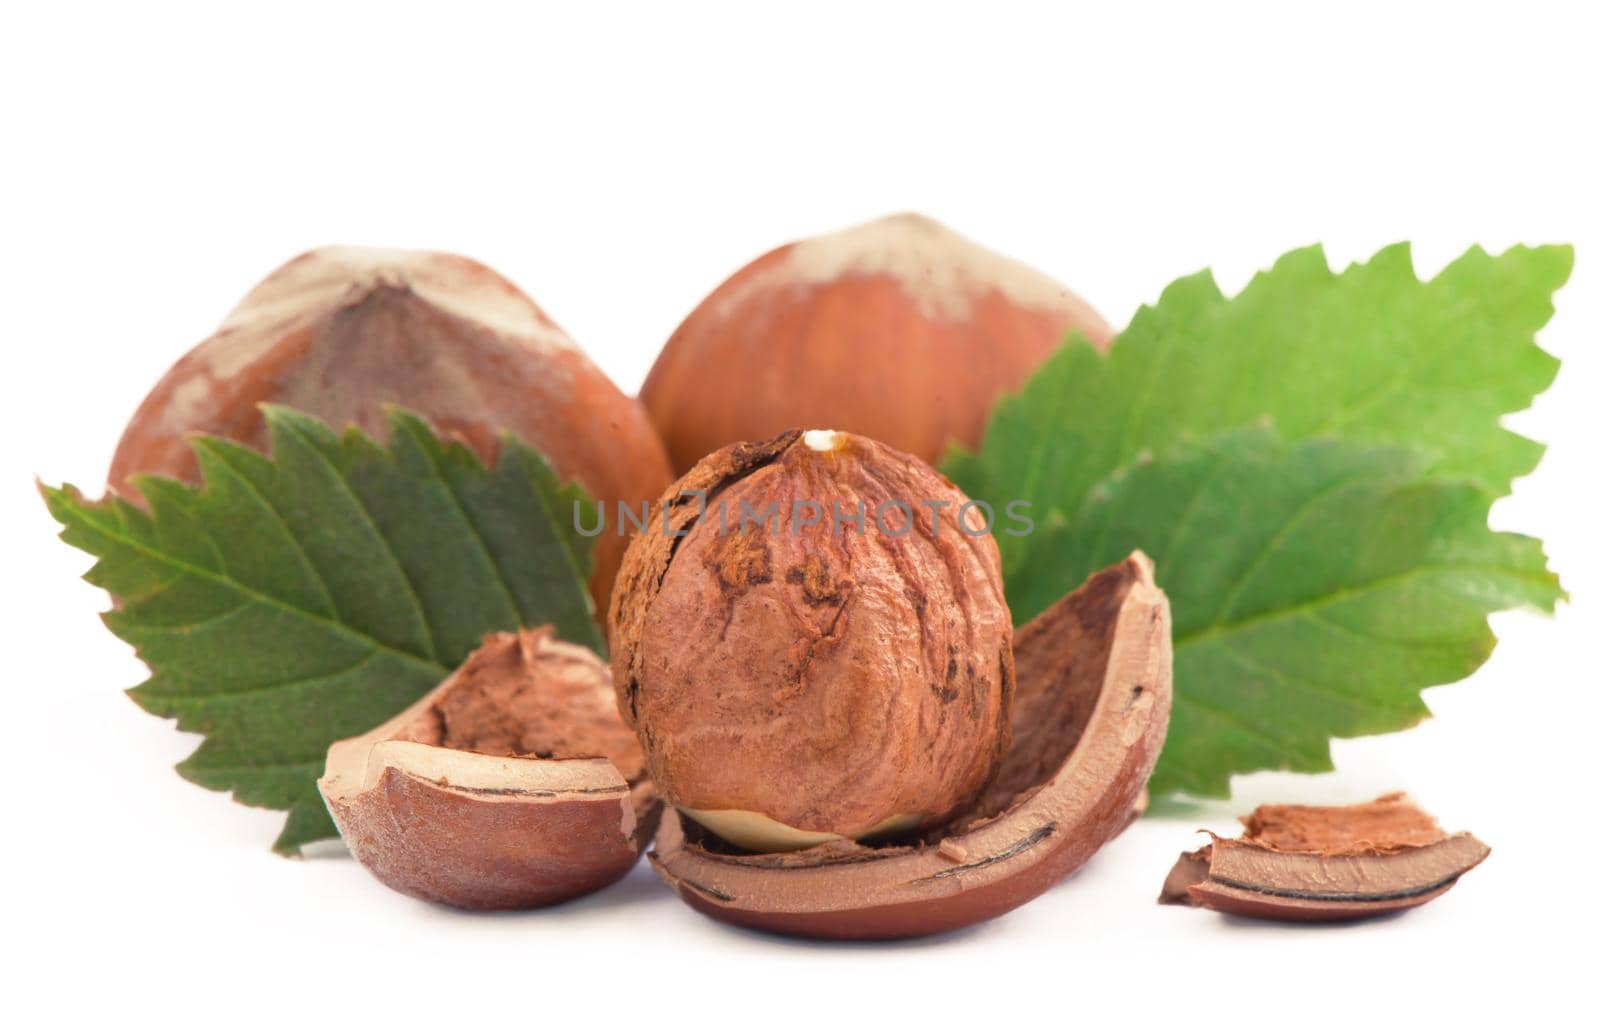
[
  {"x": 342, "y": 332},
  {"x": 810, "y": 677},
  {"x": 899, "y": 329}
]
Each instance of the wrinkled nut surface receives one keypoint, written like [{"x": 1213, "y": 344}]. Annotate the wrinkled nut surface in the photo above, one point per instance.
[
  {"x": 513, "y": 784},
  {"x": 342, "y": 332},
  {"x": 801, "y": 681},
  {"x": 1094, "y": 692},
  {"x": 1310, "y": 863},
  {"x": 900, "y": 330}
]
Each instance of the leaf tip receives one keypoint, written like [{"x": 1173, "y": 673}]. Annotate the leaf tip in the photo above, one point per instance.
[
  {"x": 57, "y": 496},
  {"x": 287, "y": 848}
]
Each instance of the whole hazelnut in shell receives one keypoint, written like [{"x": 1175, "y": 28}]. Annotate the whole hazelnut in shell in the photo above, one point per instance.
[
  {"x": 899, "y": 329},
  {"x": 342, "y": 332},
  {"x": 812, "y": 643}
]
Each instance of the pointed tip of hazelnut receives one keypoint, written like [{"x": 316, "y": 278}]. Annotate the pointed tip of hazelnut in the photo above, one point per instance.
[
  {"x": 322, "y": 281},
  {"x": 822, "y": 440}
]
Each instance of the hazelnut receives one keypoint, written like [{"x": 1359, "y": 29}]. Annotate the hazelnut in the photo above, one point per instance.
[
  {"x": 840, "y": 669},
  {"x": 900, "y": 329},
  {"x": 341, "y": 332},
  {"x": 1093, "y": 696},
  {"x": 513, "y": 784}
]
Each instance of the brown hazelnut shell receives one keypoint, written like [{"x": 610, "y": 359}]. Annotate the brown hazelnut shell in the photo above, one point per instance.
[
  {"x": 1094, "y": 680},
  {"x": 1309, "y": 863},
  {"x": 343, "y": 332},
  {"x": 1240, "y": 901},
  {"x": 494, "y": 830},
  {"x": 900, "y": 330}
]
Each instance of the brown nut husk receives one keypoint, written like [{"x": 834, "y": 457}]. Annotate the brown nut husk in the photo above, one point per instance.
[
  {"x": 1094, "y": 691},
  {"x": 342, "y": 332},
  {"x": 1309, "y": 863},
  {"x": 513, "y": 784},
  {"x": 900, "y": 330},
  {"x": 811, "y": 679}
]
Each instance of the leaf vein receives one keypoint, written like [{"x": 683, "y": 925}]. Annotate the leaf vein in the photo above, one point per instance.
[
  {"x": 271, "y": 602},
  {"x": 377, "y": 532},
  {"x": 311, "y": 568}
]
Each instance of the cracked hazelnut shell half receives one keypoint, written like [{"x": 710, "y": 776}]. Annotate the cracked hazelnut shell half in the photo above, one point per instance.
[
  {"x": 1094, "y": 691},
  {"x": 342, "y": 332},
  {"x": 900, "y": 329},
  {"x": 513, "y": 784},
  {"x": 1312, "y": 863},
  {"x": 809, "y": 678}
]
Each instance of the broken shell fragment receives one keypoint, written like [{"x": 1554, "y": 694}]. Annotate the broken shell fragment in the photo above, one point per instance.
[
  {"x": 1094, "y": 679},
  {"x": 1308, "y": 863},
  {"x": 513, "y": 784}
]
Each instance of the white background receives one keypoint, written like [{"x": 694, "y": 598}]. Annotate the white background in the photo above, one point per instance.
[{"x": 618, "y": 163}]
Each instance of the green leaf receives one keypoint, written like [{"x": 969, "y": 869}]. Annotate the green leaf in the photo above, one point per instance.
[
  {"x": 1315, "y": 589},
  {"x": 297, "y": 600},
  {"x": 1370, "y": 354}
]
